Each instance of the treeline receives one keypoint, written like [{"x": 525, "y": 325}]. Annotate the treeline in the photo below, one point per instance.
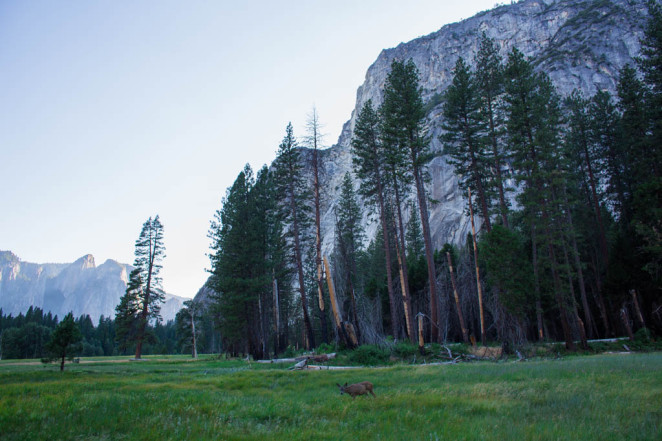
[
  {"x": 26, "y": 336},
  {"x": 565, "y": 195}
]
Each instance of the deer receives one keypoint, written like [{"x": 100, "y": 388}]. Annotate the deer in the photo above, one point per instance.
[{"x": 356, "y": 389}]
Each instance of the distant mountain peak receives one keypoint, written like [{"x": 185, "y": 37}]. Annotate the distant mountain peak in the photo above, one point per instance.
[{"x": 85, "y": 262}]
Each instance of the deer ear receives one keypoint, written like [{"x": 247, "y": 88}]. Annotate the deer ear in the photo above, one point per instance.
[
  {"x": 345, "y": 384},
  {"x": 338, "y": 385}
]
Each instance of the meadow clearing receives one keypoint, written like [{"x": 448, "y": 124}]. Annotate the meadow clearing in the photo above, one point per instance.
[{"x": 599, "y": 397}]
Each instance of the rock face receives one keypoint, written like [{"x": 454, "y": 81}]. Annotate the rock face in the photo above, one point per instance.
[
  {"x": 580, "y": 43},
  {"x": 81, "y": 287}
]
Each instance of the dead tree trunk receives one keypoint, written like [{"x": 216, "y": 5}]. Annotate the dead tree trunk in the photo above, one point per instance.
[
  {"x": 337, "y": 314},
  {"x": 480, "y": 290},
  {"x": 637, "y": 310},
  {"x": 626, "y": 323},
  {"x": 458, "y": 306}
]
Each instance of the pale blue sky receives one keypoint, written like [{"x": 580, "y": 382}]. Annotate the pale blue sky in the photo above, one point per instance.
[{"x": 114, "y": 111}]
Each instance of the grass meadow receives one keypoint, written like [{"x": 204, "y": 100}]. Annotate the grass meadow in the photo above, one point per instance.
[{"x": 600, "y": 397}]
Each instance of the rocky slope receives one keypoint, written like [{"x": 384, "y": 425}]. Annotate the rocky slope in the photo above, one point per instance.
[
  {"x": 580, "y": 43},
  {"x": 81, "y": 287}
]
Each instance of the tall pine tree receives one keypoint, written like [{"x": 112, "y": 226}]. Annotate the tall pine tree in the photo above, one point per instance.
[
  {"x": 403, "y": 121},
  {"x": 144, "y": 294},
  {"x": 292, "y": 190}
]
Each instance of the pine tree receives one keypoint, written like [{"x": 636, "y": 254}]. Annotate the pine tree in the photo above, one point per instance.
[
  {"x": 648, "y": 198},
  {"x": 489, "y": 79},
  {"x": 398, "y": 182},
  {"x": 350, "y": 236},
  {"x": 314, "y": 140},
  {"x": 291, "y": 188},
  {"x": 240, "y": 273},
  {"x": 403, "y": 122},
  {"x": 367, "y": 157},
  {"x": 465, "y": 130},
  {"x": 533, "y": 122},
  {"x": 141, "y": 302},
  {"x": 64, "y": 342},
  {"x": 187, "y": 329}
]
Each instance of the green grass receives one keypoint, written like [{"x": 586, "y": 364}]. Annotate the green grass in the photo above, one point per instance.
[{"x": 603, "y": 397}]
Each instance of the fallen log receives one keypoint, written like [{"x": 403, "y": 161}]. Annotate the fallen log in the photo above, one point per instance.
[
  {"x": 330, "y": 368},
  {"x": 278, "y": 360}
]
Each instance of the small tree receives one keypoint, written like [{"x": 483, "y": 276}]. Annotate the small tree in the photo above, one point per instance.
[
  {"x": 65, "y": 341},
  {"x": 185, "y": 323}
]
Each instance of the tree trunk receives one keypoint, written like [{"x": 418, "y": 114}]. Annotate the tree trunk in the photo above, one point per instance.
[
  {"x": 637, "y": 309},
  {"x": 318, "y": 243},
  {"x": 578, "y": 265},
  {"x": 626, "y": 323},
  {"x": 497, "y": 164},
  {"x": 478, "y": 284},
  {"x": 276, "y": 316},
  {"x": 355, "y": 316},
  {"x": 432, "y": 272},
  {"x": 421, "y": 342},
  {"x": 335, "y": 307},
  {"x": 465, "y": 332},
  {"x": 195, "y": 347},
  {"x": 387, "y": 255},
  {"x": 575, "y": 312},
  {"x": 481, "y": 191},
  {"x": 402, "y": 265},
  {"x": 536, "y": 282},
  {"x": 310, "y": 336},
  {"x": 596, "y": 208}
]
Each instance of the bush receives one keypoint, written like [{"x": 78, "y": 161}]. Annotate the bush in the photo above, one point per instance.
[
  {"x": 291, "y": 352},
  {"x": 369, "y": 355},
  {"x": 643, "y": 335},
  {"x": 405, "y": 349},
  {"x": 325, "y": 348}
]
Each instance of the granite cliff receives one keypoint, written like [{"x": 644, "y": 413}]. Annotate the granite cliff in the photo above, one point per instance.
[{"x": 580, "y": 43}]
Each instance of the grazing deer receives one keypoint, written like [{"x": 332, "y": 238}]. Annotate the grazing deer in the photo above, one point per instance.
[{"x": 356, "y": 389}]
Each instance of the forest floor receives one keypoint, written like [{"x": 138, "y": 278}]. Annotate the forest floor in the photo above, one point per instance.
[{"x": 606, "y": 397}]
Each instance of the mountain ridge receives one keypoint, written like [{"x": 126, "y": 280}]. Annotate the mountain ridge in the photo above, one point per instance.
[{"x": 80, "y": 287}]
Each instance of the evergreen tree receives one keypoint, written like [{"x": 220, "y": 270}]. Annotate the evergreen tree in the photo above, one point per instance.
[
  {"x": 350, "y": 236},
  {"x": 367, "y": 157},
  {"x": 64, "y": 342},
  {"x": 582, "y": 154},
  {"x": 403, "y": 120},
  {"x": 144, "y": 295},
  {"x": 313, "y": 140},
  {"x": 648, "y": 197},
  {"x": 489, "y": 80},
  {"x": 465, "y": 130},
  {"x": 507, "y": 264},
  {"x": 416, "y": 264},
  {"x": 533, "y": 122},
  {"x": 188, "y": 331},
  {"x": 291, "y": 188},
  {"x": 238, "y": 273}
]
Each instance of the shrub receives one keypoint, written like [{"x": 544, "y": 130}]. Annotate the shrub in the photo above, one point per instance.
[
  {"x": 369, "y": 355},
  {"x": 325, "y": 348},
  {"x": 405, "y": 349}
]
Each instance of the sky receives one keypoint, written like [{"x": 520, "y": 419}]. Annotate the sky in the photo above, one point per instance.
[{"x": 112, "y": 112}]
